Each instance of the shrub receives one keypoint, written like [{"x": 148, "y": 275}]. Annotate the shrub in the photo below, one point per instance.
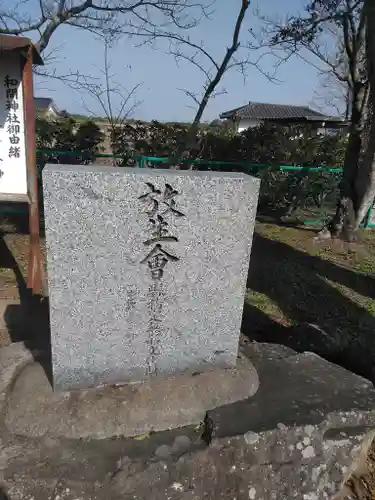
[{"x": 268, "y": 145}]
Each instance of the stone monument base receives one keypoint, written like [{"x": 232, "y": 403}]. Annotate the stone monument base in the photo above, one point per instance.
[
  {"x": 308, "y": 433},
  {"x": 127, "y": 410}
]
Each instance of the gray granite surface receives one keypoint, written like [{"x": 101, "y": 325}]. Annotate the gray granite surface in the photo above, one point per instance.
[{"x": 147, "y": 270}]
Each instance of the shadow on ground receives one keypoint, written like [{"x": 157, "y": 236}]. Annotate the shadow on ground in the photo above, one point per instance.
[
  {"x": 295, "y": 282},
  {"x": 27, "y": 321},
  {"x": 14, "y": 217},
  {"x": 3, "y": 495}
]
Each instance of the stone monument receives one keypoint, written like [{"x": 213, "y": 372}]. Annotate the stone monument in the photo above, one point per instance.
[{"x": 147, "y": 271}]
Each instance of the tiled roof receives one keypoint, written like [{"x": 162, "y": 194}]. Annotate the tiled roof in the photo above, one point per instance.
[
  {"x": 43, "y": 103},
  {"x": 263, "y": 111}
]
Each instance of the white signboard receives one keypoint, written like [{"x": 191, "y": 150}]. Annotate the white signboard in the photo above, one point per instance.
[{"x": 13, "y": 171}]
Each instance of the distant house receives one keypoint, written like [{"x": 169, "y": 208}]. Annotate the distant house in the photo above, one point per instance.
[
  {"x": 256, "y": 113},
  {"x": 46, "y": 108}
]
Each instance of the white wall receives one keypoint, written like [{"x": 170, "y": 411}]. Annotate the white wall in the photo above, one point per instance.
[{"x": 245, "y": 124}]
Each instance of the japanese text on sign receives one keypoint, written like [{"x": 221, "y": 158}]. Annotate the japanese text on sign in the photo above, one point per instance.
[
  {"x": 13, "y": 122},
  {"x": 13, "y": 165}
]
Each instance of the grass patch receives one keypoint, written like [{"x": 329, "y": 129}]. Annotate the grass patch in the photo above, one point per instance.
[{"x": 295, "y": 280}]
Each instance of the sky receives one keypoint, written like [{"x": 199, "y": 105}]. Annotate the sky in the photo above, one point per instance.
[{"x": 161, "y": 79}]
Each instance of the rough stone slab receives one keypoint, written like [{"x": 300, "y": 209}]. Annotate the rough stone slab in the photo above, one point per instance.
[
  {"x": 303, "y": 435},
  {"x": 162, "y": 403},
  {"x": 116, "y": 314},
  {"x": 21, "y": 487},
  {"x": 258, "y": 351},
  {"x": 81, "y": 462},
  {"x": 306, "y": 448},
  {"x": 304, "y": 428},
  {"x": 68, "y": 490},
  {"x": 298, "y": 390},
  {"x": 24, "y": 487},
  {"x": 226, "y": 470},
  {"x": 89, "y": 461},
  {"x": 13, "y": 359}
]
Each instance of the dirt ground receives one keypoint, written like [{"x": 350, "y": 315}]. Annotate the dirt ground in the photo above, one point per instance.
[{"x": 292, "y": 281}]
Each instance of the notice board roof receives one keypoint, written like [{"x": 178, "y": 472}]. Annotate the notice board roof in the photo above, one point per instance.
[{"x": 9, "y": 43}]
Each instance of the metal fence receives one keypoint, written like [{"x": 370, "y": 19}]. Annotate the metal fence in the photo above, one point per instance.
[
  {"x": 308, "y": 195},
  {"x": 305, "y": 195}
]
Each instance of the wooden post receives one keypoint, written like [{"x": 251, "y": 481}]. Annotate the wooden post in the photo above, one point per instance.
[{"x": 35, "y": 278}]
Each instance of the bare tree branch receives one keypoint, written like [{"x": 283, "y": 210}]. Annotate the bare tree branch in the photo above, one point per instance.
[
  {"x": 192, "y": 59},
  {"x": 74, "y": 79},
  {"x": 190, "y": 144},
  {"x": 225, "y": 62},
  {"x": 332, "y": 93},
  {"x": 332, "y": 32},
  {"x": 192, "y": 95},
  {"x": 132, "y": 17},
  {"x": 180, "y": 41},
  {"x": 147, "y": 19},
  {"x": 105, "y": 93}
]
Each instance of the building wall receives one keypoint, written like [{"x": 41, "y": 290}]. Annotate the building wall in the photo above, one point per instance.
[
  {"x": 245, "y": 124},
  {"x": 48, "y": 114},
  {"x": 319, "y": 130}
]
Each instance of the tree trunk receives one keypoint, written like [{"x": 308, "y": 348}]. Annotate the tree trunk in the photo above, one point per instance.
[
  {"x": 345, "y": 222},
  {"x": 189, "y": 148},
  {"x": 358, "y": 184},
  {"x": 365, "y": 183}
]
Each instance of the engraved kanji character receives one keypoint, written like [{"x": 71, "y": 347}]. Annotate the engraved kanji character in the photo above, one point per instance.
[
  {"x": 168, "y": 195},
  {"x": 155, "y": 197},
  {"x": 14, "y": 152},
  {"x": 157, "y": 259},
  {"x": 10, "y": 82},
  {"x": 150, "y": 198},
  {"x": 14, "y": 139},
  {"x": 160, "y": 233}
]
